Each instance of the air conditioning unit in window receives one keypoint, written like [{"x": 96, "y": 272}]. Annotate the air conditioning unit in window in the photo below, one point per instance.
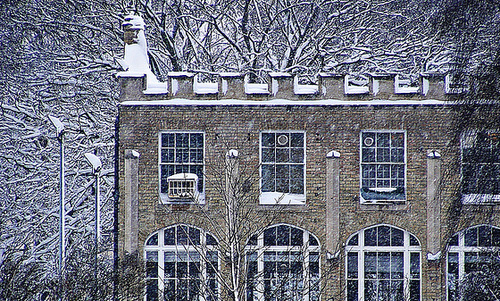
[{"x": 182, "y": 186}]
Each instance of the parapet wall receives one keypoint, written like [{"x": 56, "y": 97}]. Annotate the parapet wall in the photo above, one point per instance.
[{"x": 185, "y": 85}]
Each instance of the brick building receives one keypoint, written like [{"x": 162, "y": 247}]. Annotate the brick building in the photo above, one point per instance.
[{"x": 335, "y": 191}]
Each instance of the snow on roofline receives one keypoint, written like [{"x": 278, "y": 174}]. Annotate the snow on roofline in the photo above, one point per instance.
[{"x": 283, "y": 102}]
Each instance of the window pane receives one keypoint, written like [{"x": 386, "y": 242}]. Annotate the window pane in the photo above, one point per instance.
[
  {"x": 397, "y": 140},
  {"x": 414, "y": 265},
  {"x": 352, "y": 265},
  {"x": 196, "y": 140},
  {"x": 169, "y": 236},
  {"x": 211, "y": 241},
  {"x": 268, "y": 155},
  {"x": 484, "y": 237},
  {"x": 297, "y": 155},
  {"x": 270, "y": 237},
  {"x": 371, "y": 237},
  {"x": 368, "y": 155},
  {"x": 414, "y": 241},
  {"x": 414, "y": 290},
  {"x": 194, "y": 236},
  {"x": 368, "y": 139},
  {"x": 282, "y": 155},
  {"x": 167, "y": 155},
  {"x": 371, "y": 265},
  {"x": 167, "y": 140},
  {"x": 268, "y": 139},
  {"x": 352, "y": 290},
  {"x": 153, "y": 240},
  {"x": 182, "y": 140},
  {"x": 268, "y": 178},
  {"x": 297, "y": 237},
  {"x": 383, "y": 265},
  {"x": 384, "y": 237},
  {"x": 397, "y": 237},
  {"x": 152, "y": 290},
  {"x": 353, "y": 241},
  {"x": 152, "y": 264},
  {"x": 383, "y": 139},
  {"x": 283, "y": 236},
  {"x": 397, "y": 266},
  {"x": 471, "y": 237},
  {"x": 383, "y": 155},
  {"x": 297, "y": 140}
]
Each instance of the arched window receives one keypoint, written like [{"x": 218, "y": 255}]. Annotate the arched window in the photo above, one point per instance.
[
  {"x": 283, "y": 264},
  {"x": 473, "y": 264},
  {"x": 181, "y": 264},
  {"x": 383, "y": 263}
]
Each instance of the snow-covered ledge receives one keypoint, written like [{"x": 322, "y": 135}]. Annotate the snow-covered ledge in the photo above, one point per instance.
[{"x": 255, "y": 88}]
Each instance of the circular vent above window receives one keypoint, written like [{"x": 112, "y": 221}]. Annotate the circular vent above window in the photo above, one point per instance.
[
  {"x": 282, "y": 139},
  {"x": 368, "y": 141}
]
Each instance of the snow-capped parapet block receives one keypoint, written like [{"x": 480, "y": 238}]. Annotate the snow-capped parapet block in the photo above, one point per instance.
[
  {"x": 432, "y": 154},
  {"x": 434, "y": 257},
  {"x": 136, "y": 58},
  {"x": 333, "y": 154},
  {"x": 232, "y": 153}
]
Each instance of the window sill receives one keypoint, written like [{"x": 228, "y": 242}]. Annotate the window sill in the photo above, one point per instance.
[
  {"x": 196, "y": 200},
  {"x": 481, "y": 199},
  {"x": 373, "y": 205},
  {"x": 278, "y": 198}
]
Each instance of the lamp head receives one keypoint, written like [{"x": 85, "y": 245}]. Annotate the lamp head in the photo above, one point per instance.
[
  {"x": 94, "y": 161},
  {"x": 57, "y": 124}
]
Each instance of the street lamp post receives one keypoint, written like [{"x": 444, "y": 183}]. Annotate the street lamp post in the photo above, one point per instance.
[
  {"x": 60, "y": 137},
  {"x": 95, "y": 162},
  {"x": 62, "y": 244}
]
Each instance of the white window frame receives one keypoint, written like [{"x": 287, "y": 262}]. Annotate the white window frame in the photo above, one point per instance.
[
  {"x": 376, "y": 189},
  {"x": 305, "y": 249},
  {"x": 361, "y": 249},
  {"x": 461, "y": 249},
  {"x": 199, "y": 197},
  {"x": 161, "y": 248},
  {"x": 280, "y": 198},
  {"x": 467, "y": 138}
]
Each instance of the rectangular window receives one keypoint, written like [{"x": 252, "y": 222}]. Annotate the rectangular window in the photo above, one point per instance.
[
  {"x": 181, "y": 166},
  {"x": 282, "y": 158},
  {"x": 481, "y": 166},
  {"x": 383, "y": 158}
]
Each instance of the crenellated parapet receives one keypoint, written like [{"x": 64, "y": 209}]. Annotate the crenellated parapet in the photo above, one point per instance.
[{"x": 280, "y": 85}]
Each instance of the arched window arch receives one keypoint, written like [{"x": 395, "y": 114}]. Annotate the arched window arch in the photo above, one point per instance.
[
  {"x": 473, "y": 264},
  {"x": 283, "y": 264},
  {"x": 181, "y": 264},
  {"x": 383, "y": 263}
]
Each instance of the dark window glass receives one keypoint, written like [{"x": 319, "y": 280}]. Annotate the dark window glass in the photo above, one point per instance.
[
  {"x": 282, "y": 158},
  {"x": 352, "y": 265},
  {"x": 153, "y": 240},
  {"x": 353, "y": 241},
  {"x": 371, "y": 237},
  {"x": 382, "y": 166}
]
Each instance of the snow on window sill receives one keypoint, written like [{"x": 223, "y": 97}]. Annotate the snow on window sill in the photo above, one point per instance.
[
  {"x": 279, "y": 198},
  {"x": 206, "y": 88},
  {"x": 256, "y": 88},
  {"x": 306, "y": 89},
  {"x": 480, "y": 199}
]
